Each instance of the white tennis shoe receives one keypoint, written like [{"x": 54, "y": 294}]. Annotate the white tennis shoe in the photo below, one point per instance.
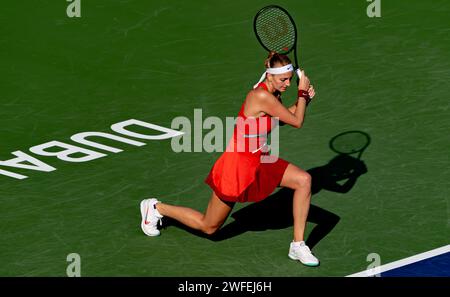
[
  {"x": 150, "y": 217},
  {"x": 301, "y": 252}
]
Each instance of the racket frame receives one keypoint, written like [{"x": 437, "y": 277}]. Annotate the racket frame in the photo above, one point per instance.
[{"x": 294, "y": 47}]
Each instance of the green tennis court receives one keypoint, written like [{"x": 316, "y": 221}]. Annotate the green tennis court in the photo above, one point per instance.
[{"x": 154, "y": 61}]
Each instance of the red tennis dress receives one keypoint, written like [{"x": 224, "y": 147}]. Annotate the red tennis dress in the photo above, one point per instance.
[{"x": 242, "y": 173}]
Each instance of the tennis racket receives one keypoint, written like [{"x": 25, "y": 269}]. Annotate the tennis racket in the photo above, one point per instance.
[
  {"x": 350, "y": 142},
  {"x": 276, "y": 31}
]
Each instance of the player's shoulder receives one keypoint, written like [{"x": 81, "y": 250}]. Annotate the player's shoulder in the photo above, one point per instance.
[{"x": 260, "y": 94}]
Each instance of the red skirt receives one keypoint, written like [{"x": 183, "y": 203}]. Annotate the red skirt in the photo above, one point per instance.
[{"x": 242, "y": 177}]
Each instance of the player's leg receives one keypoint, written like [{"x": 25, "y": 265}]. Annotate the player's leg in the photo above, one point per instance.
[
  {"x": 209, "y": 222},
  {"x": 299, "y": 181}
]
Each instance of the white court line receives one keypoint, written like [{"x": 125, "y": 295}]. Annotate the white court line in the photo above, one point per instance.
[{"x": 403, "y": 262}]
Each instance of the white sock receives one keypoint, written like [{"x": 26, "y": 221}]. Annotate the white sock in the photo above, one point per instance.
[{"x": 298, "y": 243}]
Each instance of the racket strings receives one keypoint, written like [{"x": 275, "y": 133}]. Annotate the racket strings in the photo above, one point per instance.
[{"x": 276, "y": 30}]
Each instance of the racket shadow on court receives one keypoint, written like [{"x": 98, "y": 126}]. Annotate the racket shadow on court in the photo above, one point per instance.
[{"x": 275, "y": 212}]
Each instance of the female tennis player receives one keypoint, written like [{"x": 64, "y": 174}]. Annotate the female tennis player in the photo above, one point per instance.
[{"x": 240, "y": 175}]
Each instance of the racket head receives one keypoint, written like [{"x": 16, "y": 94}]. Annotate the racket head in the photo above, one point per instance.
[
  {"x": 275, "y": 29},
  {"x": 350, "y": 142}
]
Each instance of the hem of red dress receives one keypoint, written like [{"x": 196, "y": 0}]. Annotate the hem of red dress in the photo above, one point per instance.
[
  {"x": 221, "y": 196},
  {"x": 238, "y": 198}
]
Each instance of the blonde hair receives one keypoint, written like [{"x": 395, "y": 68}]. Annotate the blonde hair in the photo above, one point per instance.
[{"x": 275, "y": 58}]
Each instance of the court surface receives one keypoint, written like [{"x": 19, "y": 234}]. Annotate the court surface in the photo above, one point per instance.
[{"x": 157, "y": 60}]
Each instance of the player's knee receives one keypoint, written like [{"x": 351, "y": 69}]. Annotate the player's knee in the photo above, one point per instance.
[
  {"x": 303, "y": 180},
  {"x": 210, "y": 229}
]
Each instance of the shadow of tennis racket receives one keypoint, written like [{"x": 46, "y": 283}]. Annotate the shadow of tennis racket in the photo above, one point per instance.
[{"x": 350, "y": 143}]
